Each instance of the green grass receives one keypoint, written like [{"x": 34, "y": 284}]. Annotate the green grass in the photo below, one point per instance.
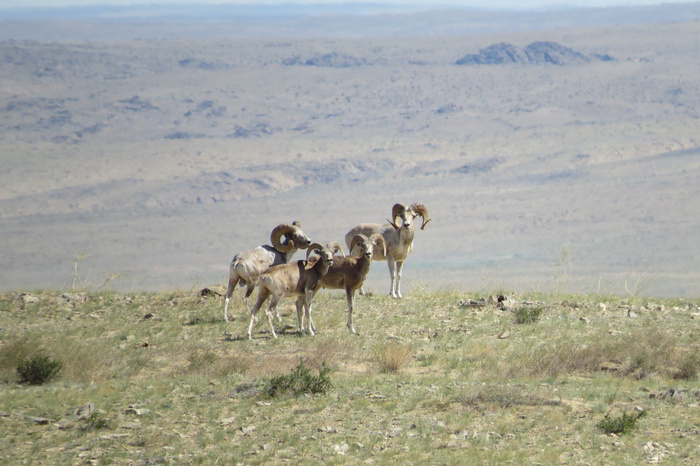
[{"x": 424, "y": 381}]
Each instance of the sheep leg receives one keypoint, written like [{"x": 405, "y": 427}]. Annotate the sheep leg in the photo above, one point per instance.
[
  {"x": 349, "y": 295},
  {"x": 300, "y": 317},
  {"x": 272, "y": 308},
  {"x": 307, "y": 307},
  {"x": 399, "y": 274},
  {"x": 392, "y": 273},
  {"x": 262, "y": 296},
  {"x": 232, "y": 281}
]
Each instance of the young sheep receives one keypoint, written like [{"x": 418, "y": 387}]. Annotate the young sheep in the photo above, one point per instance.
[
  {"x": 399, "y": 240},
  {"x": 246, "y": 267},
  {"x": 291, "y": 280},
  {"x": 349, "y": 272}
]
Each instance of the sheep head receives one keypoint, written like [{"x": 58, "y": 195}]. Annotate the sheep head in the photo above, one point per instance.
[
  {"x": 377, "y": 239},
  {"x": 408, "y": 214},
  {"x": 399, "y": 210},
  {"x": 368, "y": 244},
  {"x": 335, "y": 247},
  {"x": 321, "y": 250},
  {"x": 294, "y": 237}
]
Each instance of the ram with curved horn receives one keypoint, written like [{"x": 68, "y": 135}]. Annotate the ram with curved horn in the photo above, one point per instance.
[
  {"x": 246, "y": 267},
  {"x": 349, "y": 272},
  {"x": 398, "y": 235},
  {"x": 294, "y": 279}
]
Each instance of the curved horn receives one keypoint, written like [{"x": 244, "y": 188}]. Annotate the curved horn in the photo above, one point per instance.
[
  {"x": 356, "y": 239},
  {"x": 312, "y": 248},
  {"x": 421, "y": 210},
  {"x": 276, "y": 237},
  {"x": 334, "y": 247},
  {"x": 376, "y": 238},
  {"x": 398, "y": 209}
]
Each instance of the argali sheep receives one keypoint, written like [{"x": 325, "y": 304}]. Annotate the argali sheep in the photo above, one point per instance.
[
  {"x": 349, "y": 272},
  {"x": 293, "y": 279},
  {"x": 398, "y": 238},
  {"x": 246, "y": 267}
]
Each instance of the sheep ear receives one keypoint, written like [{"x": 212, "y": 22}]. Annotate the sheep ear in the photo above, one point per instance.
[{"x": 396, "y": 227}]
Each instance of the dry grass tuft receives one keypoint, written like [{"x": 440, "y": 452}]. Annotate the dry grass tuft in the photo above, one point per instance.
[{"x": 392, "y": 356}]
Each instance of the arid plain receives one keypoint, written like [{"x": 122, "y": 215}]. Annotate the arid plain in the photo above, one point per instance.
[{"x": 154, "y": 161}]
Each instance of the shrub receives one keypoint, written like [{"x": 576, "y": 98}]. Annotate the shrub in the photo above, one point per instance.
[
  {"x": 689, "y": 367},
  {"x": 38, "y": 370},
  {"x": 527, "y": 315},
  {"x": 619, "y": 424},
  {"x": 96, "y": 422},
  {"x": 300, "y": 381}
]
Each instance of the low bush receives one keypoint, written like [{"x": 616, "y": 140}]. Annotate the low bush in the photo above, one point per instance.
[
  {"x": 620, "y": 424},
  {"x": 527, "y": 315},
  {"x": 38, "y": 370},
  {"x": 300, "y": 381}
]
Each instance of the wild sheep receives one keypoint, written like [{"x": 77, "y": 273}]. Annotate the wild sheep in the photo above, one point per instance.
[
  {"x": 291, "y": 280},
  {"x": 349, "y": 272},
  {"x": 399, "y": 240},
  {"x": 246, "y": 267}
]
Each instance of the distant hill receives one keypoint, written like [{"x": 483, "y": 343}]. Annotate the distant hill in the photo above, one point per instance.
[{"x": 537, "y": 53}]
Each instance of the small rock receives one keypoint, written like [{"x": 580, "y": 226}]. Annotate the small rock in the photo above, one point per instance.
[
  {"x": 85, "y": 411},
  {"x": 247, "y": 430},
  {"x": 74, "y": 298},
  {"x": 28, "y": 298},
  {"x": 209, "y": 292},
  {"x": 135, "y": 411},
  {"x": 39, "y": 420},
  {"x": 131, "y": 425},
  {"x": 341, "y": 449},
  {"x": 585, "y": 320},
  {"x": 227, "y": 421},
  {"x": 631, "y": 313},
  {"x": 328, "y": 430},
  {"x": 504, "y": 335},
  {"x": 611, "y": 366}
]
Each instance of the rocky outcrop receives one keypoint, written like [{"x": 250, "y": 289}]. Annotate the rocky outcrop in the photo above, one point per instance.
[{"x": 537, "y": 53}]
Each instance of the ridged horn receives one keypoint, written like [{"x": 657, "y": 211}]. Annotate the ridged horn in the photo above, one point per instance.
[
  {"x": 276, "y": 237},
  {"x": 312, "y": 248},
  {"x": 357, "y": 238},
  {"x": 335, "y": 247},
  {"x": 421, "y": 210},
  {"x": 398, "y": 209},
  {"x": 376, "y": 238}
]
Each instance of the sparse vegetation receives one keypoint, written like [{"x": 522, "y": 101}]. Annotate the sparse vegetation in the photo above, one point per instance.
[{"x": 426, "y": 379}]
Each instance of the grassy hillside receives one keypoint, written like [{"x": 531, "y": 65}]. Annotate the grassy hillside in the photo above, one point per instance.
[{"x": 438, "y": 377}]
